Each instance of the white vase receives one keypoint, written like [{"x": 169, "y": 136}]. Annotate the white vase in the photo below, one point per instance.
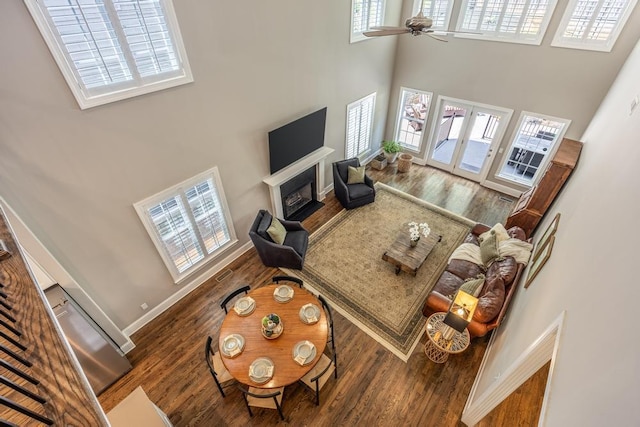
[{"x": 391, "y": 157}]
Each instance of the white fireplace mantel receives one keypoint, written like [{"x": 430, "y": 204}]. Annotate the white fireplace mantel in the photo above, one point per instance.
[{"x": 277, "y": 179}]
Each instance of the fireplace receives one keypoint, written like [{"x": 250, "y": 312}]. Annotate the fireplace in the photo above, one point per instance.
[
  {"x": 299, "y": 198},
  {"x": 303, "y": 181}
]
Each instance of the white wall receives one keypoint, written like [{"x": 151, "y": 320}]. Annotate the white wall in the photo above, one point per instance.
[
  {"x": 592, "y": 274},
  {"x": 72, "y": 176}
]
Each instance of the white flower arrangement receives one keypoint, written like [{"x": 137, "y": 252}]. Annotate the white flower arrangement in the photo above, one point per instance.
[{"x": 415, "y": 230}]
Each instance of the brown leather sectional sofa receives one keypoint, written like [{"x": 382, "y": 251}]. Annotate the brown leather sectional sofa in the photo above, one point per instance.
[{"x": 502, "y": 278}]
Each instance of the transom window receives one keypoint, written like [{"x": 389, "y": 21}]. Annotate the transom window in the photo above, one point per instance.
[
  {"x": 109, "y": 50},
  {"x": 531, "y": 147},
  {"x": 517, "y": 21},
  {"x": 593, "y": 24},
  {"x": 359, "y": 126},
  {"x": 364, "y": 15},
  {"x": 188, "y": 223},
  {"x": 438, "y": 10},
  {"x": 413, "y": 109}
]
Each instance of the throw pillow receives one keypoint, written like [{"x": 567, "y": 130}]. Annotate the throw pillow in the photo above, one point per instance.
[
  {"x": 473, "y": 286},
  {"x": 277, "y": 231},
  {"x": 489, "y": 247},
  {"x": 356, "y": 175},
  {"x": 501, "y": 232}
]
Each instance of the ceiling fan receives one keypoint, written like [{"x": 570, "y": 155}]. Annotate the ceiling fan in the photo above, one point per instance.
[{"x": 417, "y": 25}]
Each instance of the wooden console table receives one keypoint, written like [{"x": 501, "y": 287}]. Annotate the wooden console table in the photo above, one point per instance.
[{"x": 408, "y": 258}]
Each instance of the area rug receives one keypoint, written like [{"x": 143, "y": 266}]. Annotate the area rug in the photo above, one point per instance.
[{"x": 344, "y": 264}]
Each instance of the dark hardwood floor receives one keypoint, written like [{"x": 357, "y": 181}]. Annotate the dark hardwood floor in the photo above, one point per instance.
[{"x": 374, "y": 386}]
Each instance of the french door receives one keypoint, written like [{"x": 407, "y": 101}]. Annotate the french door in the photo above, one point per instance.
[{"x": 466, "y": 136}]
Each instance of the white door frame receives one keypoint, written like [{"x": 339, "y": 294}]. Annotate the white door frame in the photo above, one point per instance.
[{"x": 471, "y": 108}]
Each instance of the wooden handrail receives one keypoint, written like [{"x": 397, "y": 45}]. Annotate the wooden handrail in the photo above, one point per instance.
[{"x": 42, "y": 354}]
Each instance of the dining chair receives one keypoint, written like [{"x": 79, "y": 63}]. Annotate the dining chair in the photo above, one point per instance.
[
  {"x": 278, "y": 279},
  {"x": 229, "y": 297},
  {"x": 221, "y": 376},
  {"x": 270, "y": 398},
  {"x": 317, "y": 377}
]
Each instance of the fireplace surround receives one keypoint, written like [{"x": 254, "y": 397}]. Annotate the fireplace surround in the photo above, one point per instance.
[{"x": 303, "y": 183}]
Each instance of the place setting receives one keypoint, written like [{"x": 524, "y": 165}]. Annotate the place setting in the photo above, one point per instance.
[
  {"x": 232, "y": 345},
  {"x": 283, "y": 293},
  {"x": 309, "y": 314},
  {"x": 261, "y": 370},
  {"x": 304, "y": 352},
  {"x": 244, "y": 306}
]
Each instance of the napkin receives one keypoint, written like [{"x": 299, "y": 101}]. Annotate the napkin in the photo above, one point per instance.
[
  {"x": 234, "y": 351},
  {"x": 237, "y": 310},
  {"x": 300, "y": 360},
  {"x": 269, "y": 372}
]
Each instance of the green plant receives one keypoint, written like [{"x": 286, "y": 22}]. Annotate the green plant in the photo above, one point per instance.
[{"x": 391, "y": 147}]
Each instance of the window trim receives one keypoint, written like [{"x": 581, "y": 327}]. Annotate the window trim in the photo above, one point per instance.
[
  {"x": 585, "y": 44},
  {"x": 417, "y": 7},
  {"x": 399, "y": 115},
  {"x": 543, "y": 165},
  {"x": 355, "y": 37},
  {"x": 359, "y": 103},
  {"x": 506, "y": 37},
  {"x": 86, "y": 100},
  {"x": 142, "y": 207}
]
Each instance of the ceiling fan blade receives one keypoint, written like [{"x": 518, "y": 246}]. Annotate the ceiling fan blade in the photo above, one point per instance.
[
  {"x": 390, "y": 32},
  {"x": 437, "y": 38},
  {"x": 387, "y": 28}
]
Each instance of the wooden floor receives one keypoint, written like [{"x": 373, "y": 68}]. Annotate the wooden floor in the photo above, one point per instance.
[{"x": 374, "y": 386}]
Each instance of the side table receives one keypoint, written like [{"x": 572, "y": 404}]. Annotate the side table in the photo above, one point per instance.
[{"x": 439, "y": 346}]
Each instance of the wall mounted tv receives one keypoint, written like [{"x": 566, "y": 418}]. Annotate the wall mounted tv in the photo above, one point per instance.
[{"x": 295, "y": 140}]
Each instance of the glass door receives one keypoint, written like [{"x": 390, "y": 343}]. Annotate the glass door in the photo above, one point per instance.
[{"x": 466, "y": 138}]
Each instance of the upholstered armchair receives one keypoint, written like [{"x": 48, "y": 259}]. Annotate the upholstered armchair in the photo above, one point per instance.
[
  {"x": 289, "y": 254},
  {"x": 351, "y": 195}
]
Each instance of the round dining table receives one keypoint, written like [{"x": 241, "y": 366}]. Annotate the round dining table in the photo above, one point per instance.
[{"x": 279, "y": 350}]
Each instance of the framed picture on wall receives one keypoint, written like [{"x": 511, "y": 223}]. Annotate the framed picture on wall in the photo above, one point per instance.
[
  {"x": 546, "y": 237},
  {"x": 542, "y": 257}
]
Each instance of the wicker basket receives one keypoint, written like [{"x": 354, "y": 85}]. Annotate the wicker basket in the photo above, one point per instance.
[
  {"x": 379, "y": 164},
  {"x": 404, "y": 162}
]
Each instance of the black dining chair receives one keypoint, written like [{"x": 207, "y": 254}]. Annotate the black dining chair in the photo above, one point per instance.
[
  {"x": 221, "y": 376},
  {"x": 317, "y": 377},
  {"x": 270, "y": 398},
  {"x": 233, "y": 294},
  {"x": 278, "y": 279}
]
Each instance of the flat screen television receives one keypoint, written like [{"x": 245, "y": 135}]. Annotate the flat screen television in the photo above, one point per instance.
[{"x": 295, "y": 140}]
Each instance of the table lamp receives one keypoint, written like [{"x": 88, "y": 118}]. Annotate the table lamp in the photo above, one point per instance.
[{"x": 460, "y": 313}]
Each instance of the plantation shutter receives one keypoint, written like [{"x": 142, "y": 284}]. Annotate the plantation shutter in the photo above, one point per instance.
[
  {"x": 359, "y": 125},
  {"x": 438, "y": 10},
  {"x": 366, "y": 14}
]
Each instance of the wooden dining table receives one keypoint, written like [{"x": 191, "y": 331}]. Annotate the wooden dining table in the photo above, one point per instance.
[{"x": 279, "y": 350}]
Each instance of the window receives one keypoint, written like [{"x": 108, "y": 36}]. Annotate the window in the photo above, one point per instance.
[
  {"x": 359, "y": 125},
  {"x": 110, "y": 50},
  {"x": 531, "y": 147},
  {"x": 189, "y": 223},
  {"x": 516, "y": 21},
  {"x": 364, "y": 15},
  {"x": 438, "y": 10},
  {"x": 592, "y": 24},
  {"x": 413, "y": 109}
]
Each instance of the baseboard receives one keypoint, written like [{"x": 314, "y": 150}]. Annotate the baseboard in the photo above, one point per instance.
[
  {"x": 193, "y": 284},
  {"x": 528, "y": 363}
]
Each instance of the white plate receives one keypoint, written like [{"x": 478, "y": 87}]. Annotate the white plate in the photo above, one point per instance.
[
  {"x": 232, "y": 345},
  {"x": 261, "y": 370},
  {"x": 308, "y": 311},
  {"x": 283, "y": 293},
  {"x": 306, "y": 349},
  {"x": 245, "y": 306}
]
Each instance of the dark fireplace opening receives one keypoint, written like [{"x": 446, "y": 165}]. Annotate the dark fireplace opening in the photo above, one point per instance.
[{"x": 299, "y": 198}]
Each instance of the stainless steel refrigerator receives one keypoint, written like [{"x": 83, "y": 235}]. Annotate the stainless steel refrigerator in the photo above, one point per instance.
[{"x": 101, "y": 360}]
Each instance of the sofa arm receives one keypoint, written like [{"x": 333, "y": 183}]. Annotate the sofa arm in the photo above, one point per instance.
[
  {"x": 292, "y": 225},
  {"x": 478, "y": 229},
  {"x": 435, "y": 302}
]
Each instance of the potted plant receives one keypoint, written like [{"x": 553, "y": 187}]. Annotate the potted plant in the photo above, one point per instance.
[{"x": 391, "y": 150}]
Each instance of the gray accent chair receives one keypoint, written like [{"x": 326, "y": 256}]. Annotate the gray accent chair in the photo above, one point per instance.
[
  {"x": 351, "y": 195},
  {"x": 288, "y": 255}
]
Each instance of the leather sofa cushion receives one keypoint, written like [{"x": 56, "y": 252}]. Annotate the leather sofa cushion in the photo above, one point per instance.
[
  {"x": 448, "y": 284},
  {"x": 491, "y": 299},
  {"x": 464, "y": 269},
  {"x": 517, "y": 233},
  {"x": 506, "y": 269}
]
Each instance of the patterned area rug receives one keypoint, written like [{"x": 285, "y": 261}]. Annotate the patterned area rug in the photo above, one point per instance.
[{"x": 344, "y": 264}]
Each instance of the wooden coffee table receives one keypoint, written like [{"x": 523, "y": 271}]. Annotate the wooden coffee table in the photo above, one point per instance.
[{"x": 407, "y": 258}]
